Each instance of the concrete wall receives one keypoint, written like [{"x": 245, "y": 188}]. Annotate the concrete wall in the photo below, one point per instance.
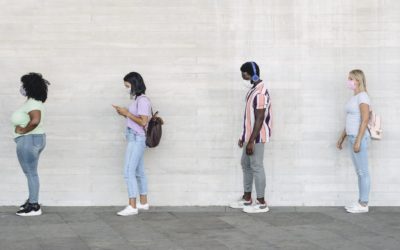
[{"x": 189, "y": 52}]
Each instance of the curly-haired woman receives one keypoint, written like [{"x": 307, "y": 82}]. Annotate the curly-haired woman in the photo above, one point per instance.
[{"x": 30, "y": 137}]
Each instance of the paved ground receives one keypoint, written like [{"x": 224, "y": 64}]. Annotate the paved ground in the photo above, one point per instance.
[{"x": 213, "y": 228}]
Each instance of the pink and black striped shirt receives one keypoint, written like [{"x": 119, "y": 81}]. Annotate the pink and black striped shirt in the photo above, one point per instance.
[{"x": 257, "y": 98}]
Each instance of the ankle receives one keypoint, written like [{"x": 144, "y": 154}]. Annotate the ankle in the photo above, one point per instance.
[
  {"x": 247, "y": 196},
  {"x": 261, "y": 200}
]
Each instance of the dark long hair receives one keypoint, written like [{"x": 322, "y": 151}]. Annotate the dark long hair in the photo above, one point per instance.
[
  {"x": 137, "y": 84},
  {"x": 35, "y": 86}
]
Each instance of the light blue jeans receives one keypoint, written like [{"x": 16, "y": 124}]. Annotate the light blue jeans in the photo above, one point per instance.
[
  {"x": 29, "y": 148},
  {"x": 360, "y": 161},
  {"x": 134, "y": 166}
]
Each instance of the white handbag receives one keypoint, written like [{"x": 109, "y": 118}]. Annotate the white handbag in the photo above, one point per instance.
[{"x": 375, "y": 126}]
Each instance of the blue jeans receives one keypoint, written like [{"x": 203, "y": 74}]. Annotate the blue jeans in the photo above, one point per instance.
[
  {"x": 29, "y": 148},
  {"x": 134, "y": 166},
  {"x": 360, "y": 161}
]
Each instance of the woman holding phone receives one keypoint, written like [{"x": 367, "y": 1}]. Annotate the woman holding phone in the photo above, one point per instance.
[{"x": 137, "y": 116}]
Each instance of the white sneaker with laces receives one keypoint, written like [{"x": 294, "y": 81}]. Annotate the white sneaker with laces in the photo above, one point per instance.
[
  {"x": 129, "y": 210},
  {"x": 141, "y": 206},
  {"x": 241, "y": 203},
  {"x": 358, "y": 209},
  {"x": 256, "y": 208}
]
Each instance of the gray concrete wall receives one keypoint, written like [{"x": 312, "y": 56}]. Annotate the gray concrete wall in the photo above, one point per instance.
[{"x": 189, "y": 53}]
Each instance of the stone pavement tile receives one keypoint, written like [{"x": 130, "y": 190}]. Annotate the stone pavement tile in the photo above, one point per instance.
[
  {"x": 96, "y": 229},
  {"x": 64, "y": 243},
  {"x": 157, "y": 216},
  {"x": 45, "y": 231},
  {"x": 138, "y": 231},
  {"x": 161, "y": 244},
  {"x": 97, "y": 243},
  {"x": 6, "y": 244},
  {"x": 273, "y": 236},
  {"x": 184, "y": 209},
  {"x": 201, "y": 244},
  {"x": 319, "y": 236},
  {"x": 377, "y": 242},
  {"x": 11, "y": 219},
  {"x": 15, "y": 232},
  {"x": 293, "y": 219},
  {"x": 84, "y": 216},
  {"x": 204, "y": 221},
  {"x": 45, "y": 218}
]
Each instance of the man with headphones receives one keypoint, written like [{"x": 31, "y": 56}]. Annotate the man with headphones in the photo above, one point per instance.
[{"x": 256, "y": 132}]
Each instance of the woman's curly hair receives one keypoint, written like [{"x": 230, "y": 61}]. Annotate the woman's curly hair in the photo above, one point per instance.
[{"x": 35, "y": 86}]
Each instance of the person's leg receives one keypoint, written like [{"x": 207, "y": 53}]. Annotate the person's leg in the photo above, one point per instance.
[
  {"x": 360, "y": 161},
  {"x": 140, "y": 173},
  {"x": 138, "y": 148},
  {"x": 257, "y": 167},
  {"x": 38, "y": 144},
  {"x": 129, "y": 178},
  {"x": 28, "y": 151},
  {"x": 247, "y": 175}
]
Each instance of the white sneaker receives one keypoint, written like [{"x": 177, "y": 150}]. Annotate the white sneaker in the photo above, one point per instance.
[
  {"x": 256, "y": 208},
  {"x": 351, "y": 206},
  {"x": 357, "y": 209},
  {"x": 129, "y": 210},
  {"x": 242, "y": 203},
  {"x": 141, "y": 206}
]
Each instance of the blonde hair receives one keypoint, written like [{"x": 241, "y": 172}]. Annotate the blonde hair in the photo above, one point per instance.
[{"x": 358, "y": 74}]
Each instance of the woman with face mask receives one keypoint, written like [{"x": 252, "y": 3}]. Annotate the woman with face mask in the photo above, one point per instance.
[
  {"x": 30, "y": 137},
  {"x": 137, "y": 116},
  {"x": 357, "y": 117}
]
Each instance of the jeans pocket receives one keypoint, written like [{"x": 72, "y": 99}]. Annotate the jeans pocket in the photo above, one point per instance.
[{"x": 38, "y": 141}]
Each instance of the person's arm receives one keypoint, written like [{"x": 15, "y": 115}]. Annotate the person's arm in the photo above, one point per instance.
[
  {"x": 259, "y": 118},
  {"x": 35, "y": 116},
  {"x": 364, "y": 110},
  {"x": 341, "y": 139},
  {"x": 140, "y": 120}
]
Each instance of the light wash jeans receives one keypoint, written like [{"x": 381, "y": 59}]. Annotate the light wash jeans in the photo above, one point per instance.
[
  {"x": 360, "y": 161},
  {"x": 29, "y": 148},
  {"x": 134, "y": 166},
  {"x": 253, "y": 168}
]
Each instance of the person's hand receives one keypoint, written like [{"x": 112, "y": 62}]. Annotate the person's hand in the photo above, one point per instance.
[
  {"x": 356, "y": 146},
  {"x": 121, "y": 111},
  {"x": 250, "y": 148},
  {"x": 19, "y": 130},
  {"x": 339, "y": 144},
  {"x": 240, "y": 143}
]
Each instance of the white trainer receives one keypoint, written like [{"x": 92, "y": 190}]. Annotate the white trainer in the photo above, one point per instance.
[
  {"x": 141, "y": 206},
  {"x": 358, "y": 209},
  {"x": 241, "y": 203},
  {"x": 256, "y": 208},
  {"x": 129, "y": 210},
  {"x": 351, "y": 206}
]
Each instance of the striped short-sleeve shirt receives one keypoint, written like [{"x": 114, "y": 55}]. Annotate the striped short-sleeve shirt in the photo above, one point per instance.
[{"x": 257, "y": 98}]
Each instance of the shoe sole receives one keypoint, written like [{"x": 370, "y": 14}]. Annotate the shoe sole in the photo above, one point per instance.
[
  {"x": 30, "y": 214},
  {"x": 357, "y": 212},
  {"x": 257, "y": 211},
  {"x": 126, "y": 214}
]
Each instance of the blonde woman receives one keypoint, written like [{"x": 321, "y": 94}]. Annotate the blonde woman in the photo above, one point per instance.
[{"x": 357, "y": 116}]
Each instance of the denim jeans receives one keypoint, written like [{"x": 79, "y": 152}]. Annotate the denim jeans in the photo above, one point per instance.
[
  {"x": 134, "y": 166},
  {"x": 360, "y": 161},
  {"x": 253, "y": 168},
  {"x": 29, "y": 148}
]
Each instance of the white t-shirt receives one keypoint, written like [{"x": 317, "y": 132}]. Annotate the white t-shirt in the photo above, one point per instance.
[{"x": 353, "y": 115}]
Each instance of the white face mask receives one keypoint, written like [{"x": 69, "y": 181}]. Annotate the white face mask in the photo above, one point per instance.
[
  {"x": 247, "y": 84},
  {"x": 22, "y": 91}
]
